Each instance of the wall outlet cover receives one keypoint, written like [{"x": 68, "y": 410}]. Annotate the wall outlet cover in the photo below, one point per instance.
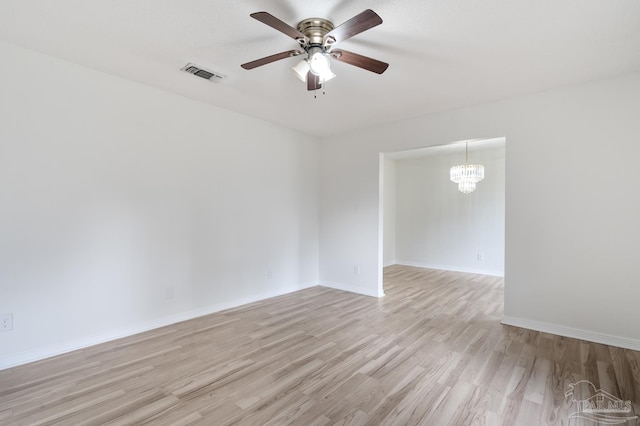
[{"x": 6, "y": 322}]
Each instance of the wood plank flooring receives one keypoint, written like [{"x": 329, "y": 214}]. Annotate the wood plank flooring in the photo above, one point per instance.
[{"x": 431, "y": 352}]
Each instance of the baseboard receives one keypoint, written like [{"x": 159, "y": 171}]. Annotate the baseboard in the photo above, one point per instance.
[
  {"x": 491, "y": 272},
  {"x": 42, "y": 353},
  {"x": 576, "y": 333},
  {"x": 366, "y": 291}
]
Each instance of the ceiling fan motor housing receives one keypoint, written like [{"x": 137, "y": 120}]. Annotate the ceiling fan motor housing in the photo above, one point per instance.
[{"x": 315, "y": 29}]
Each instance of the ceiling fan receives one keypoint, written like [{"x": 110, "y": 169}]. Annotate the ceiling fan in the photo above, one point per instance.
[{"x": 317, "y": 38}]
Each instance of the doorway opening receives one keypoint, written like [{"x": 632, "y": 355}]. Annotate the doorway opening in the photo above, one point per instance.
[{"x": 426, "y": 222}]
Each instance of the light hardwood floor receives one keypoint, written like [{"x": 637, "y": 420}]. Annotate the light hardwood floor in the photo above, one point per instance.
[{"x": 431, "y": 352}]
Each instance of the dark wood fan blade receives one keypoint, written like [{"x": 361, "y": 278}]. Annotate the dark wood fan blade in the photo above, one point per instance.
[
  {"x": 313, "y": 81},
  {"x": 268, "y": 59},
  {"x": 283, "y": 27},
  {"x": 356, "y": 25},
  {"x": 363, "y": 62}
]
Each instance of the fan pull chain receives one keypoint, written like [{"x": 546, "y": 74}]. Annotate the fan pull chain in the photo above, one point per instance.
[{"x": 324, "y": 92}]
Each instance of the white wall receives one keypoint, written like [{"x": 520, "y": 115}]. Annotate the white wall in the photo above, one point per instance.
[
  {"x": 572, "y": 233},
  {"x": 439, "y": 227},
  {"x": 389, "y": 211},
  {"x": 114, "y": 195}
]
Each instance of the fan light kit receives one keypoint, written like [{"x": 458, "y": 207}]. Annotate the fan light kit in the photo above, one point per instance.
[{"x": 317, "y": 37}]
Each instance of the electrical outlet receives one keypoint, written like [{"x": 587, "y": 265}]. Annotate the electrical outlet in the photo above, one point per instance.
[
  {"x": 269, "y": 274},
  {"x": 356, "y": 269},
  {"x": 480, "y": 257},
  {"x": 6, "y": 322}
]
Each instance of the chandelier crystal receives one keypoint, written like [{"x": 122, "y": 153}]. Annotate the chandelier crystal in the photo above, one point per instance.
[{"x": 467, "y": 175}]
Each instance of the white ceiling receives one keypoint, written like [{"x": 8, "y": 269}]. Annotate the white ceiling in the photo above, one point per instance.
[{"x": 443, "y": 54}]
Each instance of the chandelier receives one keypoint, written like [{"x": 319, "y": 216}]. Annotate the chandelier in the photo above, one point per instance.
[{"x": 467, "y": 175}]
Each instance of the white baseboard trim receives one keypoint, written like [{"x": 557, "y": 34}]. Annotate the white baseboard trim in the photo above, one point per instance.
[
  {"x": 576, "y": 333},
  {"x": 14, "y": 360},
  {"x": 491, "y": 272},
  {"x": 366, "y": 291}
]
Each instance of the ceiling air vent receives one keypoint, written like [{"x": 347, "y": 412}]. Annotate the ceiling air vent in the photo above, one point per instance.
[{"x": 200, "y": 72}]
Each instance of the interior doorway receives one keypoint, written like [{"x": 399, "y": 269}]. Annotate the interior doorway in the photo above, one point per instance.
[{"x": 425, "y": 221}]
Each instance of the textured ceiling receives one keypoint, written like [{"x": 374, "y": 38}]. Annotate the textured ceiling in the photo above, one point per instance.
[{"x": 443, "y": 54}]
